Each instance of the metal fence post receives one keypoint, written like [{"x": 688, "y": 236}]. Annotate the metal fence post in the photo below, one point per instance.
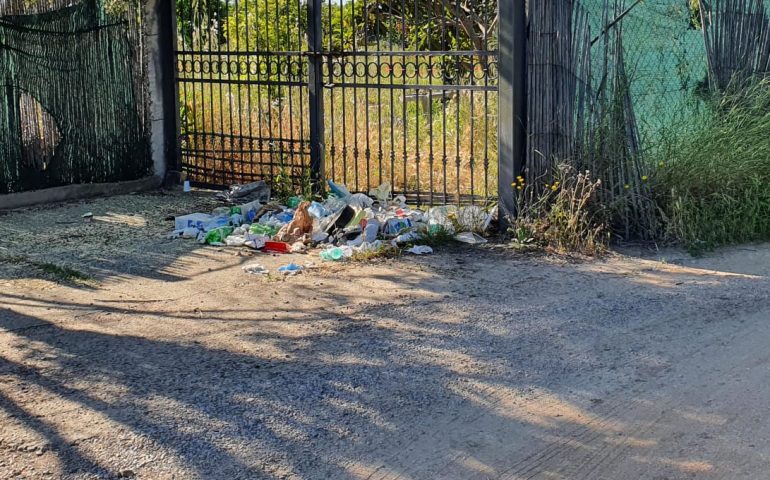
[
  {"x": 315, "y": 87},
  {"x": 512, "y": 115}
]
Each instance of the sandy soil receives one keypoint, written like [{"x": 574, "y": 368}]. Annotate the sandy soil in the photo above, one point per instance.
[{"x": 167, "y": 361}]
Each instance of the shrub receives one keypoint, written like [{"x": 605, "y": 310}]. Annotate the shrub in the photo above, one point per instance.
[
  {"x": 713, "y": 186},
  {"x": 563, "y": 216}
]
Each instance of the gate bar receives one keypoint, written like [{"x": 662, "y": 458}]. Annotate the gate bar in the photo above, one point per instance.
[{"x": 512, "y": 115}]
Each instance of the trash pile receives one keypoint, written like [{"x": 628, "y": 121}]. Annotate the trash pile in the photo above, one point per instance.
[{"x": 343, "y": 224}]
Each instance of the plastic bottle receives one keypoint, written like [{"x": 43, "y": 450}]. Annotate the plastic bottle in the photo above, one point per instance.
[{"x": 336, "y": 254}]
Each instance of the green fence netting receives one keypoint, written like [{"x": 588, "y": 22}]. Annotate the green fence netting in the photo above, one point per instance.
[
  {"x": 72, "y": 95},
  {"x": 664, "y": 60}
]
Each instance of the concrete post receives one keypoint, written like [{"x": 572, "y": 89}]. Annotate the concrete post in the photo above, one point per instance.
[{"x": 160, "y": 47}]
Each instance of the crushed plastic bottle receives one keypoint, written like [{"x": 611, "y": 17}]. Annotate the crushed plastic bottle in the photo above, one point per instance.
[
  {"x": 336, "y": 254},
  {"x": 318, "y": 211},
  {"x": 255, "y": 269}
]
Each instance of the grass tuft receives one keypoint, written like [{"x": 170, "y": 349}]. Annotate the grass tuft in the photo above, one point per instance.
[{"x": 713, "y": 184}]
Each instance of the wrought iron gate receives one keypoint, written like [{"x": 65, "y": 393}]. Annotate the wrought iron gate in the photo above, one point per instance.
[{"x": 358, "y": 91}]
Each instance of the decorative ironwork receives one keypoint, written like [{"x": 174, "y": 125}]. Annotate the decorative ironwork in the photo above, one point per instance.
[{"x": 361, "y": 92}]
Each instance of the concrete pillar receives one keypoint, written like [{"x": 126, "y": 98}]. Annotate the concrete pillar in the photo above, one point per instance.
[{"x": 160, "y": 46}]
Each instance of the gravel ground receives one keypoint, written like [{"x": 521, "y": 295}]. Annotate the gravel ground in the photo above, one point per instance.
[{"x": 128, "y": 355}]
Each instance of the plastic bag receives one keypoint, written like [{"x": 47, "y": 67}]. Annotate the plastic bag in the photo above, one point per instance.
[
  {"x": 470, "y": 238},
  {"x": 420, "y": 250},
  {"x": 382, "y": 193}
]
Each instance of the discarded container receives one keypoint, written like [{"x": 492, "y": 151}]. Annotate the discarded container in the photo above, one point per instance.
[
  {"x": 260, "y": 229},
  {"x": 394, "y": 226},
  {"x": 381, "y": 193},
  {"x": 338, "y": 190},
  {"x": 293, "y": 202},
  {"x": 250, "y": 210},
  {"x": 186, "y": 188},
  {"x": 195, "y": 220},
  {"x": 441, "y": 217},
  {"x": 256, "y": 241},
  {"x": 248, "y": 192},
  {"x": 218, "y": 236},
  {"x": 407, "y": 237},
  {"x": 277, "y": 247},
  {"x": 215, "y": 222},
  {"x": 420, "y": 250},
  {"x": 318, "y": 211},
  {"x": 255, "y": 269},
  {"x": 470, "y": 238},
  {"x": 473, "y": 218},
  {"x": 336, "y": 254},
  {"x": 340, "y": 220},
  {"x": 235, "y": 241},
  {"x": 371, "y": 231},
  {"x": 298, "y": 247},
  {"x": 320, "y": 237},
  {"x": 359, "y": 200},
  {"x": 190, "y": 232}
]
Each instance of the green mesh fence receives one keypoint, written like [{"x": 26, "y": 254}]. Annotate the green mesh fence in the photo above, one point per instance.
[
  {"x": 71, "y": 94},
  {"x": 665, "y": 61}
]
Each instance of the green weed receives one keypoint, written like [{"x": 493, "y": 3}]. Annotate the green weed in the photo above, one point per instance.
[{"x": 712, "y": 186}]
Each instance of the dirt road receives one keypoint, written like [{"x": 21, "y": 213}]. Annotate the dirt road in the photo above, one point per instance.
[{"x": 127, "y": 355}]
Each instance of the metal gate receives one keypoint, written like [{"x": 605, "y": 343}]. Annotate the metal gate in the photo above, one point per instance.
[{"x": 358, "y": 91}]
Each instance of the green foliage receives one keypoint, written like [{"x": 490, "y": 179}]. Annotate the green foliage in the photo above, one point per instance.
[
  {"x": 713, "y": 186},
  {"x": 344, "y": 25},
  {"x": 279, "y": 26},
  {"x": 198, "y": 19},
  {"x": 695, "y": 20},
  {"x": 564, "y": 217}
]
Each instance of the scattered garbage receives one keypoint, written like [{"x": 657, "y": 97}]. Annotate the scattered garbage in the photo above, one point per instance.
[
  {"x": 291, "y": 269},
  {"x": 336, "y": 254},
  {"x": 277, "y": 247},
  {"x": 246, "y": 193},
  {"x": 255, "y": 269},
  {"x": 470, "y": 238},
  {"x": 88, "y": 217},
  {"x": 343, "y": 224},
  {"x": 420, "y": 250}
]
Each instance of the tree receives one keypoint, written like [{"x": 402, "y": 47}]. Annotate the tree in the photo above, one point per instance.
[{"x": 197, "y": 20}]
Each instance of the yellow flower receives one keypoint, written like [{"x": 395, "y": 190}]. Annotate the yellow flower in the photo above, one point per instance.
[
  {"x": 513, "y": 184},
  {"x": 661, "y": 164},
  {"x": 520, "y": 187},
  {"x": 627, "y": 186},
  {"x": 557, "y": 183},
  {"x": 645, "y": 178},
  {"x": 555, "y": 187}
]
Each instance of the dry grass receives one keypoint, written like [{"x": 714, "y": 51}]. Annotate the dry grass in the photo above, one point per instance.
[{"x": 447, "y": 147}]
